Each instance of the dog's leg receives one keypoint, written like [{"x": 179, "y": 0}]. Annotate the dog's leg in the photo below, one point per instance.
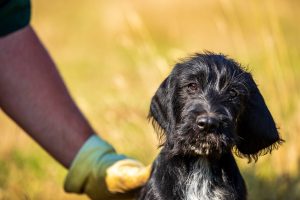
[{"x": 164, "y": 181}]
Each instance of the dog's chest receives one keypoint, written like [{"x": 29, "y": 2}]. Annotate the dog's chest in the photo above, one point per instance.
[{"x": 201, "y": 186}]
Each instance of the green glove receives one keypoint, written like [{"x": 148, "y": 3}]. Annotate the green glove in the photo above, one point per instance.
[{"x": 102, "y": 174}]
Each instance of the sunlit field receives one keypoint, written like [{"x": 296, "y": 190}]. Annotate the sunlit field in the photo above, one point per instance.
[{"x": 113, "y": 56}]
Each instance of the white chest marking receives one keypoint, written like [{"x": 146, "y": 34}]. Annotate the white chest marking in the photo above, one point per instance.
[{"x": 198, "y": 186}]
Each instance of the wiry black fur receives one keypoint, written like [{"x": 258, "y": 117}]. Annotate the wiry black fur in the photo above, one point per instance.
[{"x": 210, "y": 85}]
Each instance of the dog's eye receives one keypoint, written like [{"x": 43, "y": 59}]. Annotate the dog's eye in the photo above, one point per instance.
[
  {"x": 233, "y": 94},
  {"x": 193, "y": 86}
]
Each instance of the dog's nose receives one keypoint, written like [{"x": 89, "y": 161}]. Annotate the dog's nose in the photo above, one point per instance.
[{"x": 207, "y": 123}]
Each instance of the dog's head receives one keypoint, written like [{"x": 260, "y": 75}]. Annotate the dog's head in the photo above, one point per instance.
[{"x": 210, "y": 104}]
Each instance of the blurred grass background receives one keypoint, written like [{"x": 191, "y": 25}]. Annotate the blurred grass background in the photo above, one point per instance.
[{"x": 114, "y": 54}]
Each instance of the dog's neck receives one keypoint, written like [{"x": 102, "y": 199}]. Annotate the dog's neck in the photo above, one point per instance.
[
  {"x": 203, "y": 181},
  {"x": 194, "y": 178}
]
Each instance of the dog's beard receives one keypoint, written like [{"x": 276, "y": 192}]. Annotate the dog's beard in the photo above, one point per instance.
[
  {"x": 188, "y": 140},
  {"x": 209, "y": 144}
]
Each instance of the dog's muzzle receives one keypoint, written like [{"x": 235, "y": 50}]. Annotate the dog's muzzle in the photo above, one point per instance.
[{"x": 209, "y": 137}]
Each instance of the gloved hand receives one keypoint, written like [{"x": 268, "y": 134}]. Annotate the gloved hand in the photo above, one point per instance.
[{"x": 102, "y": 174}]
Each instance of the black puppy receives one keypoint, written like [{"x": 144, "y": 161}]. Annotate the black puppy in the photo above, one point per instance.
[{"x": 206, "y": 108}]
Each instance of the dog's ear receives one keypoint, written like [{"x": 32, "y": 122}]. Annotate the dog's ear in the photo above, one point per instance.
[
  {"x": 257, "y": 132},
  {"x": 162, "y": 108}
]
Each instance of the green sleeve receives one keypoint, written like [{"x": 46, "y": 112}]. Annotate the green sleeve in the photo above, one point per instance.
[{"x": 14, "y": 15}]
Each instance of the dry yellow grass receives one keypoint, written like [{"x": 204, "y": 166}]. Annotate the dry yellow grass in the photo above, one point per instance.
[{"x": 113, "y": 55}]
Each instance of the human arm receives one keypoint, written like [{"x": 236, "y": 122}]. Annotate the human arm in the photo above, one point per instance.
[{"x": 33, "y": 94}]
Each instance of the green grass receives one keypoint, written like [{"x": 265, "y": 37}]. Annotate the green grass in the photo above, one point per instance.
[{"x": 114, "y": 54}]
